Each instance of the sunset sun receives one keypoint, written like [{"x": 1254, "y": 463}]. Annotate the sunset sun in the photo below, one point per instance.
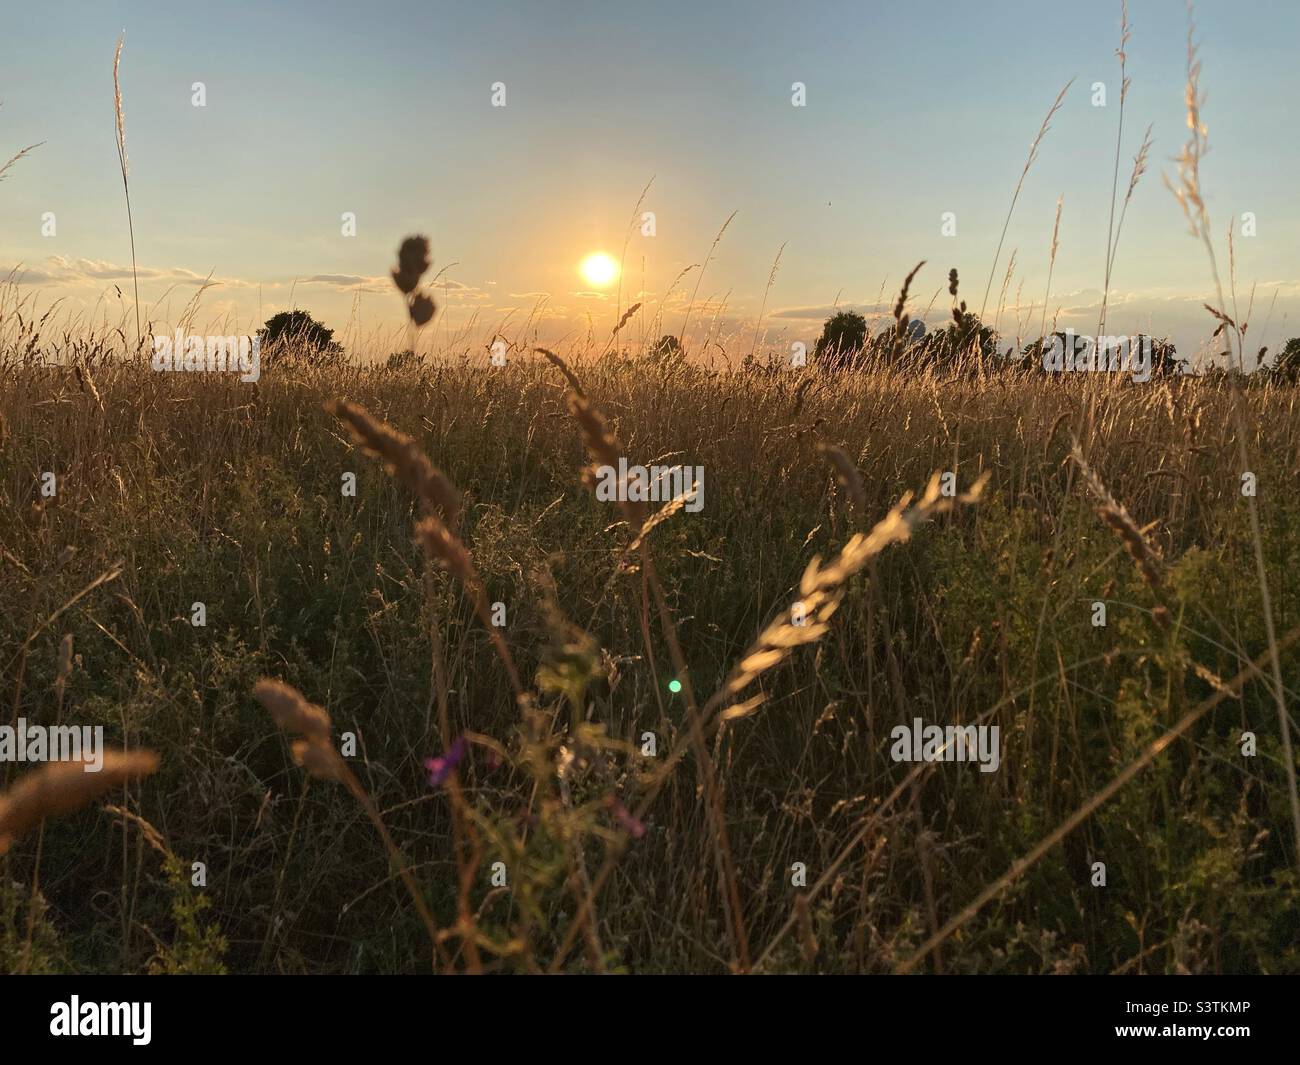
[{"x": 598, "y": 269}]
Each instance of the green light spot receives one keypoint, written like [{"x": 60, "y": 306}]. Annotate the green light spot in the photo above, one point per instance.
[{"x": 674, "y": 686}]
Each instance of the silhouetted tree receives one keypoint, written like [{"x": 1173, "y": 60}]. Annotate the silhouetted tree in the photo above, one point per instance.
[
  {"x": 1286, "y": 366},
  {"x": 666, "y": 347},
  {"x": 297, "y": 333},
  {"x": 843, "y": 337},
  {"x": 1165, "y": 360},
  {"x": 1031, "y": 356},
  {"x": 403, "y": 360},
  {"x": 965, "y": 344}
]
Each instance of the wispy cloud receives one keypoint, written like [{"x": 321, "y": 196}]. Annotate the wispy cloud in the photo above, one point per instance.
[
  {"x": 349, "y": 281},
  {"x": 820, "y": 312},
  {"x": 63, "y": 271}
]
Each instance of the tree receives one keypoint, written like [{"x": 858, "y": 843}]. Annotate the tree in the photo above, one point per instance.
[
  {"x": 1165, "y": 360},
  {"x": 966, "y": 344},
  {"x": 297, "y": 333},
  {"x": 1286, "y": 366},
  {"x": 403, "y": 360},
  {"x": 667, "y": 347},
  {"x": 843, "y": 337},
  {"x": 1059, "y": 345}
]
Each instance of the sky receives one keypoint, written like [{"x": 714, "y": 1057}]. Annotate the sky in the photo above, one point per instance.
[{"x": 385, "y": 110}]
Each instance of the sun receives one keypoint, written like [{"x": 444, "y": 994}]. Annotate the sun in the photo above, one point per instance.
[{"x": 598, "y": 269}]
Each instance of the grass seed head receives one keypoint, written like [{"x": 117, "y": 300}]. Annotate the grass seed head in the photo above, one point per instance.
[
  {"x": 291, "y": 712},
  {"x": 401, "y": 456},
  {"x": 422, "y": 309},
  {"x": 412, "y": 262},
  {"x": 319, "y": 760},
  {"x": 443, "y": 546},
  {"x": 61, "y": 787}
]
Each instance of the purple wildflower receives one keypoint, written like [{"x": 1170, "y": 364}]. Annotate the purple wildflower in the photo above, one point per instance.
[
  {"x": 440, "y": 768},
  {"x": 630, "y": 824}
]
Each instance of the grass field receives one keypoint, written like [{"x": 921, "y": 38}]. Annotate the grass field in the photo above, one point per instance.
[{"x": 190, "y": 488}]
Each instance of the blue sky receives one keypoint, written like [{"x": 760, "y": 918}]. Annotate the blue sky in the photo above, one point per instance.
[{"x": 384, "y": 110}]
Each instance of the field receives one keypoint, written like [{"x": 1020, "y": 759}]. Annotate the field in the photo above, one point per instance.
[
  {"x": 780, "y": 836},
  {"x": 928, "y": 655}
]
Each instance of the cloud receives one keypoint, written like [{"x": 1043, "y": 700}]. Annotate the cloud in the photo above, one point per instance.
[
  {"x": 823, "y": 311},
  {"x": 544, "y": 313},
  {"x": 63, "y": 271},
  {"x": 446, "y": 287},
  {"x": 457, "y": 290},
  {"x": 1286, "y": 288},
  {"x": 368, "y": 284}
]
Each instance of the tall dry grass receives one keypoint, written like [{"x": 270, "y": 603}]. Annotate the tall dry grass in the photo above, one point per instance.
[
  {"x": 239, "y": 506},
  {"x": 525, "y": 821}
]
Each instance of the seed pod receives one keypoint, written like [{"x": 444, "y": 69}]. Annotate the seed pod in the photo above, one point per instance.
[{"x": 422, "y": 308}]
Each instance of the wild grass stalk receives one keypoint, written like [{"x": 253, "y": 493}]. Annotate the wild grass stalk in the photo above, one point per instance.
[
  {"x": 762, "y": 307},
  {"x": 315, "y": 753},
  {"x": 1015, "y": 196},
  {"x": 686, "y": 318},
  {"x": 1051, "y": 266},
  {"x": 1189, "y": 196},
  {"x": 1122, "y": 52},
  {"x": 126, "y": 185}
]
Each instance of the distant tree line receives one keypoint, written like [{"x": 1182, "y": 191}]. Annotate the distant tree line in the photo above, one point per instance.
[
  {"x": 846, "y": 343},
  {"x": 965, "y": 343}
]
